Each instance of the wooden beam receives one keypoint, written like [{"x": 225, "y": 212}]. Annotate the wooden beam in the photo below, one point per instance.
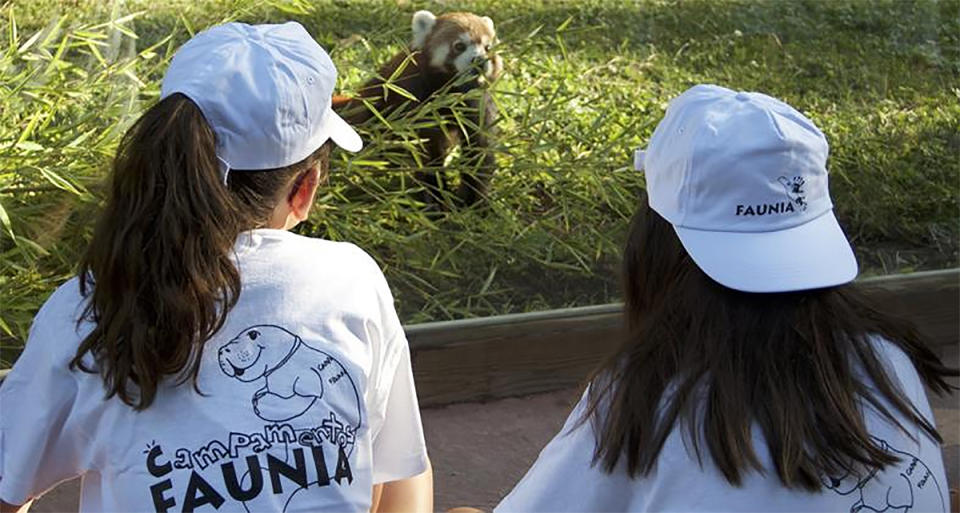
[
  {"x": 517, "y": 357},
  {"x": 520, "y": 354},
  {"x": 930, "y": 299}
]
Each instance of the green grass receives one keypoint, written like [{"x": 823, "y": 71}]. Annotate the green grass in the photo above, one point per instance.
[{"x": 585, "y": 84}]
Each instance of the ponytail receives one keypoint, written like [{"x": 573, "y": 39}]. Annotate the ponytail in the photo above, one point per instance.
[{"x": 158, "y": 275}]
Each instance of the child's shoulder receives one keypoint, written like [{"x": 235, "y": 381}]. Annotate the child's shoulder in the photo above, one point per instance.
[
  {"x": 346, "y": 255},
  {"x": 59, "y": 325},
  {"x": 898, "y": 364},
  {"x": 64, "y": 305}
]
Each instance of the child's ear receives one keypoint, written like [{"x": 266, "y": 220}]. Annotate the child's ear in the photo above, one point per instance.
[{"x": 303, "y": 192}]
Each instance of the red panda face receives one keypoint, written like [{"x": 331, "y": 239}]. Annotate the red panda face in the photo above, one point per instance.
[{"x": 456, "y": 43}]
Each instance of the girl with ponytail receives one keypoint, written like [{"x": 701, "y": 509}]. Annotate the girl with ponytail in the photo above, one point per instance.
[{"x": 204, "y": 356}]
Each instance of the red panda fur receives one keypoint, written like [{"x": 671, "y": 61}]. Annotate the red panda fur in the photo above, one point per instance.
[{"x": 441, "y": 48}]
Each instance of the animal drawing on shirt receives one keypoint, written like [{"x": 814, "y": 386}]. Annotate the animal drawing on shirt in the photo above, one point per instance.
[
  {"x": 296, "y": 378},
  {"x": 899, "y": 488}
]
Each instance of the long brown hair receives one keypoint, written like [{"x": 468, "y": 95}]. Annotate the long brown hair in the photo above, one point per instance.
[
  {"x": 158, "y": 275},
  {"x": 719, "y": 361}
]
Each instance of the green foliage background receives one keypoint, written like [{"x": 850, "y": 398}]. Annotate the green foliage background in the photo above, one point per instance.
[{"x": 585, "y": 83}]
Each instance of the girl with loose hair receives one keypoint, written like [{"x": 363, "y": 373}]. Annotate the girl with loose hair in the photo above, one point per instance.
[
  {"x": 753, "y": 376},
  {"x": 205, "y": 357}
]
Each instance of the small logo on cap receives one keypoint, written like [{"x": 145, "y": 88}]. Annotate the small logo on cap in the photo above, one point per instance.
[
  {"x": 796, "y": 196},
  {"x": 794, "y": 190}
]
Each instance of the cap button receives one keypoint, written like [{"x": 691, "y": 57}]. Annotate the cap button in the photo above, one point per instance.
[{"x": 742, "y": 96}]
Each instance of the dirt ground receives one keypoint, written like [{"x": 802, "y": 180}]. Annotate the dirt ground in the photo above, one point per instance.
[{"x": 480, "y": 450}]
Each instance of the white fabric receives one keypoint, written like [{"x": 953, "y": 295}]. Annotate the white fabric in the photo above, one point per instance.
[
  {"x": 266, "y": 91},
  {"x": 726, "y": 256},
  {"x": 310, "y": 375},
  {"x": 728, "y": 169},
  {"x": 563, "y": 478}
]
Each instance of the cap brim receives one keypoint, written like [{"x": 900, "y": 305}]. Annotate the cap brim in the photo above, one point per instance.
[
  {"x": 340, "y": 132},
  {"x": 810, "y": 256}
]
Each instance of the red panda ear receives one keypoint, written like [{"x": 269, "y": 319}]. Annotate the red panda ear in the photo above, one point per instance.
[
  {"x": 489, "y": 23},
  {"x": 423, "y": 22}
]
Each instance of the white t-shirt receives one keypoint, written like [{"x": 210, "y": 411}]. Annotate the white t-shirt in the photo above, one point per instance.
[
  {"x": 307, "y": 399},
  {"x": 563, "y": 478}
]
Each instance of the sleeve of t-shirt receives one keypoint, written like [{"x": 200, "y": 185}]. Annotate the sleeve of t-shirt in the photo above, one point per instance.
[
  {"x": 40, "y": 445},
  {"x": 563, "y": 478},
  {"x": 399, "y": 449}
]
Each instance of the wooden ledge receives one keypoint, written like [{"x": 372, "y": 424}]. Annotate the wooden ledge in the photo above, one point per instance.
[{"x": 520, "y": 354}]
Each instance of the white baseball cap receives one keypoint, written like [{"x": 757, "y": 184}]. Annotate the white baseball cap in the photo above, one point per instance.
[
  {"x": 742, "y": 178},
  {"x": 266, "y": 90}
]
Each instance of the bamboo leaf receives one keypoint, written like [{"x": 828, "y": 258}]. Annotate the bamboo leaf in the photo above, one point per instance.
[
  {"x": 58, "y": 181},
  {"x": 5, "y": 221},
  {"x": 28, "y": 146},
  {"x": 6, "y": 327},
  {"x": 489, "y": 280},
  {"x": 12, "y": 35},
  {"x": 401, "y": 91},
  {"x": 29, "y": 42}
]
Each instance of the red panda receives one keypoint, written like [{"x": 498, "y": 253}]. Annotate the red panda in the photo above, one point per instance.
[{"x": 450, "y": 48}]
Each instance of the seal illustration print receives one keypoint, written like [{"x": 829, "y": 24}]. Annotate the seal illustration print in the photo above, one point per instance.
[
  {"x": 313, "y": 415},
  {"x": 913, "y": 481},
  {"x": 296, "y": 377}
]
